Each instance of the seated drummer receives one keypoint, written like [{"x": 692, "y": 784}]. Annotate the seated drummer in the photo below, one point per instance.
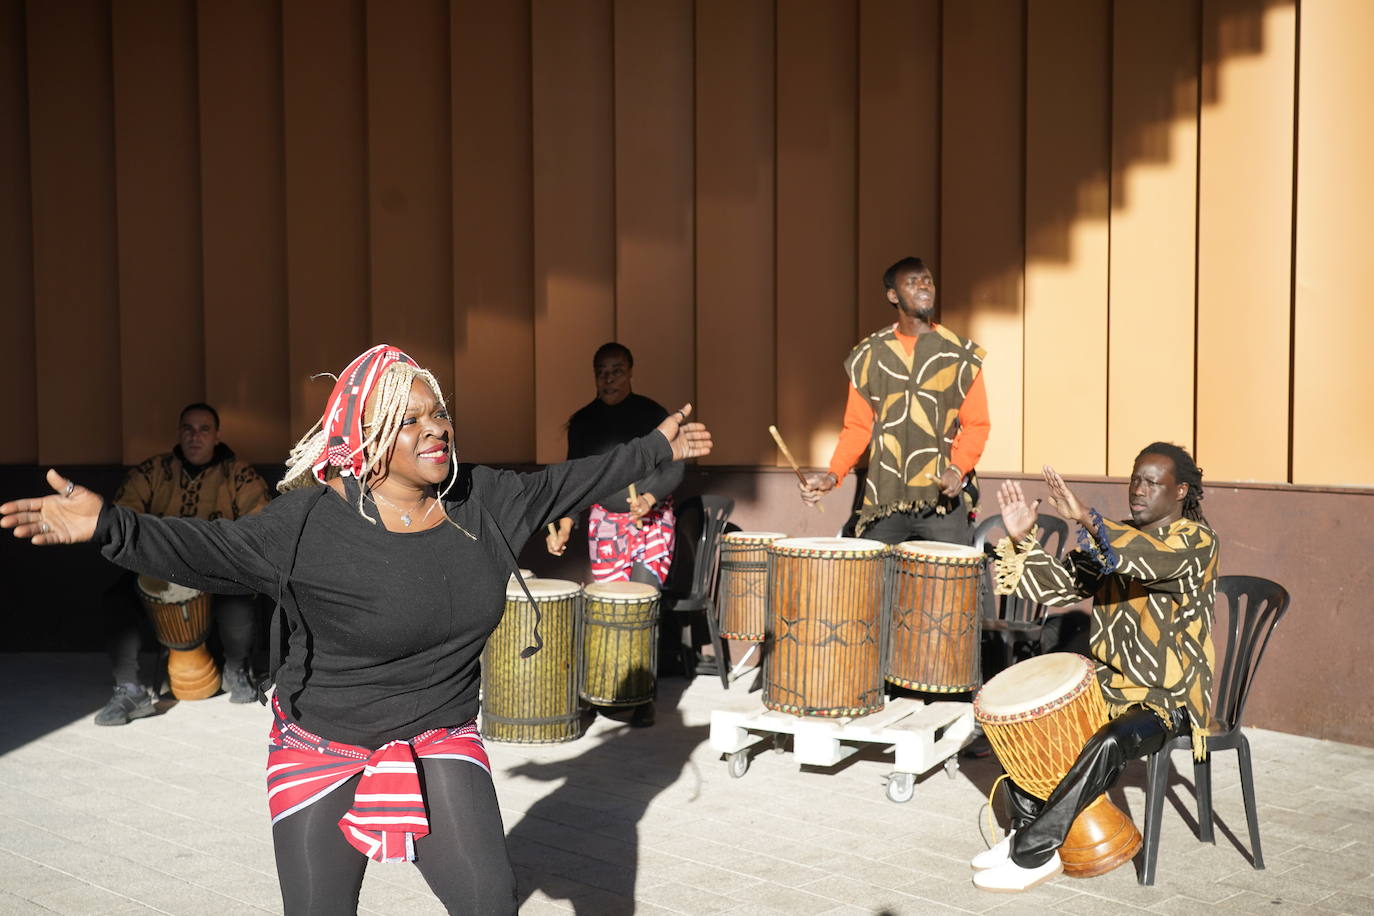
[
  {"x": 199, "y": 478},
  {"x": 1152, "y": 583},
  {"x": 925, "y": 384}
]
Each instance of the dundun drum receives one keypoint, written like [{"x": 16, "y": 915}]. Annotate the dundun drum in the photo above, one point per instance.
[
  {"x": 181, "y": 620},
  {"x": 742, "y": 595},
  {"x": 933, "y": 622},
  {"x": 534, "y": 700},
  {"x": 1037, "y": 715},
  {"x": 823, "y": 650},
  {"x": 620, "y": 654}
]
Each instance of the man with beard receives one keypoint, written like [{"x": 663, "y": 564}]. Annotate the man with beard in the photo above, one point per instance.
[{"x": 918, "y": 404}]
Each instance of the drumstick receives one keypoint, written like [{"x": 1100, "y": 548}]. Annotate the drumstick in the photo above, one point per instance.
[
  {"x": 787, "y": 453},
  {"x": 634, "y": 495}
]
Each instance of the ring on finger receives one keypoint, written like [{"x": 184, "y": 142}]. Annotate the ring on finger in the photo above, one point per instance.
[
  {"x": 44, "y": 527},
  {"x": 67, "y": 490}
]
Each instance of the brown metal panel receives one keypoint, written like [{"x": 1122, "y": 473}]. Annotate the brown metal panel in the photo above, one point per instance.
[
  {"x": 242, "y": 211},
  {"x": 816, "y": 155},
  {"x": 157, "y": 184},
  {"x": 75, "y": 275},
  {"x": 654, "y": 227},
  {"x": 982, "y": 249},
  {"x": 574, "y": 208},
  {"x": 324, "y": 103},
  {"x": 410, "y": 181},
  {"x": 1068, "y": 164},
  {"x": 1153, "y": 228},
  {"x": 899, "y": 146},
  {"x": 1245, "y": 237},
  {"x": 18, "y": 382},
  {"x": 1333, "y": 375},
  {"x": 734, "y": 229},
  {"x": 492, "y": 250}
]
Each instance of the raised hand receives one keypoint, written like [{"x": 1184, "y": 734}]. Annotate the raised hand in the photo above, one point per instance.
[
  {"x": 1018, "y": 516},
  {"x": 689, "y": 440},
  {"x": 1064, "y": 500},
  {"x": 816, "y": 486},
  {"x": 67, "y": 517}
]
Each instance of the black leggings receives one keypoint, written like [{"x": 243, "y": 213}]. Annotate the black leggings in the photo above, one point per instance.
[{"x": 463, "y": 859}]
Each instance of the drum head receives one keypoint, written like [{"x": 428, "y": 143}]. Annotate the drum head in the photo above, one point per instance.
[
  {"x": 165, "y": 592},
  {"x": 621, "y": 591},
  {"x": 940, "y": 549},
  {"x": 1034, "y": 682},
  {"x": 829, "y": 545},
  {"x": 542, "y": 588},
  {"x": 750, "y": 537}
]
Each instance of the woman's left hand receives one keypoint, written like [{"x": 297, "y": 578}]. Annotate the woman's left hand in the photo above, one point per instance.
[
  {"x": 68, "y": 517},
  {"x": 688, "y": 440}
]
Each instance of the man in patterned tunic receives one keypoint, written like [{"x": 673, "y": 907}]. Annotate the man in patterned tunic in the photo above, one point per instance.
[
  {"x": 199, "y": 478},
  {"x": 918, "y": 406},
  {"x": 1152, "y": 584}
]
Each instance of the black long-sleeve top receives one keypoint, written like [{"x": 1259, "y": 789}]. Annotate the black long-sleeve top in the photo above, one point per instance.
[
  {"x": 389, "y": 626},
  {"x": 599, "y": 427}
]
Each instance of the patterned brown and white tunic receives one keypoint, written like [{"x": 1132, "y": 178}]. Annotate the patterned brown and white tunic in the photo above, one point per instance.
[
  {"x": 1152, "y": 594},
  {"x": 165, "y": 485}
]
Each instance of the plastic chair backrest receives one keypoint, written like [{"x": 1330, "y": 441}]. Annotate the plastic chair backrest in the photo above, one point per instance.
[
  {"x": 1256, "y": 606},
  {"x": 1054, "y": 538},
  {"x": 715, "y": 513}
]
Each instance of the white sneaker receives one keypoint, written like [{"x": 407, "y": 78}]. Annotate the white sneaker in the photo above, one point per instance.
[
  {"x": 1010, "y": 878},
  {"x": 990, "y": 858}
]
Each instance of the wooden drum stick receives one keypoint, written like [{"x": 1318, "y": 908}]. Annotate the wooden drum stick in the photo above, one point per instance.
[
  {"x": 634, "y": 495},
  {"x": 787, "y": 453}
]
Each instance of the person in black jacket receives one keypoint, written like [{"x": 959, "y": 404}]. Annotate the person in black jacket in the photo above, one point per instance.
[{"x": 390, "y": 561}]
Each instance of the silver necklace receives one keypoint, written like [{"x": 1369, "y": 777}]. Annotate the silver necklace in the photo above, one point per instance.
[{"x": 405, "y": 513}]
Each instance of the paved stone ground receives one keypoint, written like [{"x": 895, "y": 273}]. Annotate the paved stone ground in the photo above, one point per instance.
[{"x": 168, "y": 815}]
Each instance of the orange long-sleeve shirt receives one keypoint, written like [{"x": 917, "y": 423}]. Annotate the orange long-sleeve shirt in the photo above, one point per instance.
[{"x": 964, "y": 452}]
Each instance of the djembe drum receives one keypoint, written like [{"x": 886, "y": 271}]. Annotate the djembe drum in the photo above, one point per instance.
[
  {"x": 620, "y": 643},
  {"x": 534, "y": 700},
  {"x": 933, "y": 617},
  {"x": 742, "y": 593},
  {"x": 181, "y": 621},
  {"x": 1037, "y": 715},
  {"x": 823, "y": 649}
]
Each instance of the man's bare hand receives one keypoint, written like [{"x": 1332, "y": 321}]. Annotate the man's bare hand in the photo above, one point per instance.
[
  {"x": 951, "y": 482},
  {"x": 1063, "y": 499},
  {"x": 816, "y": 486},
  {"x": 1018, "y": 516}
]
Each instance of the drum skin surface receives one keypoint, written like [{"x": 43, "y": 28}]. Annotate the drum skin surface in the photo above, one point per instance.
[
  {"x": 933, "y": 635},
  {"x": 1037, "y": 716},
  {"x": 534, "y": 700},
  {"x": 181, "y": 620},
  {"x": 823, "y": 649},
  {"x": 742, "y": 594},
  {"x": 620, "y": 643}
]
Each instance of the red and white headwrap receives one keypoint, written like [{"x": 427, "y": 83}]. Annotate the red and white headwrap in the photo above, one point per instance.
[{"x": 342, "y": 422}]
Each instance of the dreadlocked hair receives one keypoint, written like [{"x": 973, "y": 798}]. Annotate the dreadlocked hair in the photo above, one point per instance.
[
  {"x": 1185, "y": 471},
  {"x": 389, "y": 397}
]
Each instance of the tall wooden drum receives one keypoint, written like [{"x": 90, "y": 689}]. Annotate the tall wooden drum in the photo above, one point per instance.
[
  {"x": 823, "y": 650},
  {"x": 742, "y": 595},
  {"x": 620, "y": 655},
  {"x": 1037, "y": 715},
  {"x": 181, "y": 621},
  {"x": 933, "y": 621},
  {"x": 534, "y": 700}
]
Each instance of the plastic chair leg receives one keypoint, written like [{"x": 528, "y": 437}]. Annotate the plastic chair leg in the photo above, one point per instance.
[
  {"x": 1157, "y": 786},
  {"x": 722, "y": 654},
  {"x": 1202, "y": 786},
  {"x": 1247, "y": 788}
]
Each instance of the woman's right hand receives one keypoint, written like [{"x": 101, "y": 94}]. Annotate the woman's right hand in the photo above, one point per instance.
[
  {"x": 67, "y": 517},
  {"x": 557, "y": 539}
]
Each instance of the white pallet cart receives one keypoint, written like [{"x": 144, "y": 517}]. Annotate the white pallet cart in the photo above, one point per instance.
[{"x": 920, "y": 736}]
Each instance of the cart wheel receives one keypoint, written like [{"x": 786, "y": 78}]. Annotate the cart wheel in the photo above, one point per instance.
[
  {"x": 738, "y": 763},
  {"x": 901, "y": 787},
  {"x": 779, "y": 743},
  {"x": 952, "y": 767}
]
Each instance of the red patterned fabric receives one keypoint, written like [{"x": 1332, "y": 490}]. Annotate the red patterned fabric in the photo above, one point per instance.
[
  {"x": 388, "y": 813},
  {"x": 616, "y": 544},
  {"x": 343, "y": 413}
]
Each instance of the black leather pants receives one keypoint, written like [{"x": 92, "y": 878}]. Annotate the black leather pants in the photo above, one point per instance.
[{"x": 1042, "y": 826}]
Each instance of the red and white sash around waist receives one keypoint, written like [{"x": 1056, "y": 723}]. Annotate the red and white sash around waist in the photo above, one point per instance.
[{"x": 388, "y": 813}]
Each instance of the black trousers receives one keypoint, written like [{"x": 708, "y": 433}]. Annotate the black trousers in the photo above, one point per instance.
[
  {"x": 1042, "y": 826},
  {"x": 952, "y": 527}
]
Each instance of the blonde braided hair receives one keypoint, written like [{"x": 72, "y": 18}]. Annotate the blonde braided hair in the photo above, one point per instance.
[{"x": 390, "y": 398}]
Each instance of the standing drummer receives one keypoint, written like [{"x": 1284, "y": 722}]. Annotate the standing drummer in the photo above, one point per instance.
[
  {"x": 199, "y": 478},
  {"x": 918, "y": 405},
  {"x": 1152, "y": 583}
]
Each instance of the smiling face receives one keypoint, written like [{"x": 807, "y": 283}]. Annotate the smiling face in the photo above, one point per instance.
[
  {"x": 198, "y": 434},
  {"x": 420, "y": 455},
  {"x": 914, "y": 293},
  {"x": 1155, "y": 495}
]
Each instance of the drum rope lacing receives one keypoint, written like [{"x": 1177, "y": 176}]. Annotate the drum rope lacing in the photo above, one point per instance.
[{"x": 992, "y": 818}]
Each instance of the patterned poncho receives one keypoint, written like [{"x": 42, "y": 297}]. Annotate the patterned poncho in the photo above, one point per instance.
[
  {"x": 915, "y": 400},
  {"x": 1152, "y": 595}
]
